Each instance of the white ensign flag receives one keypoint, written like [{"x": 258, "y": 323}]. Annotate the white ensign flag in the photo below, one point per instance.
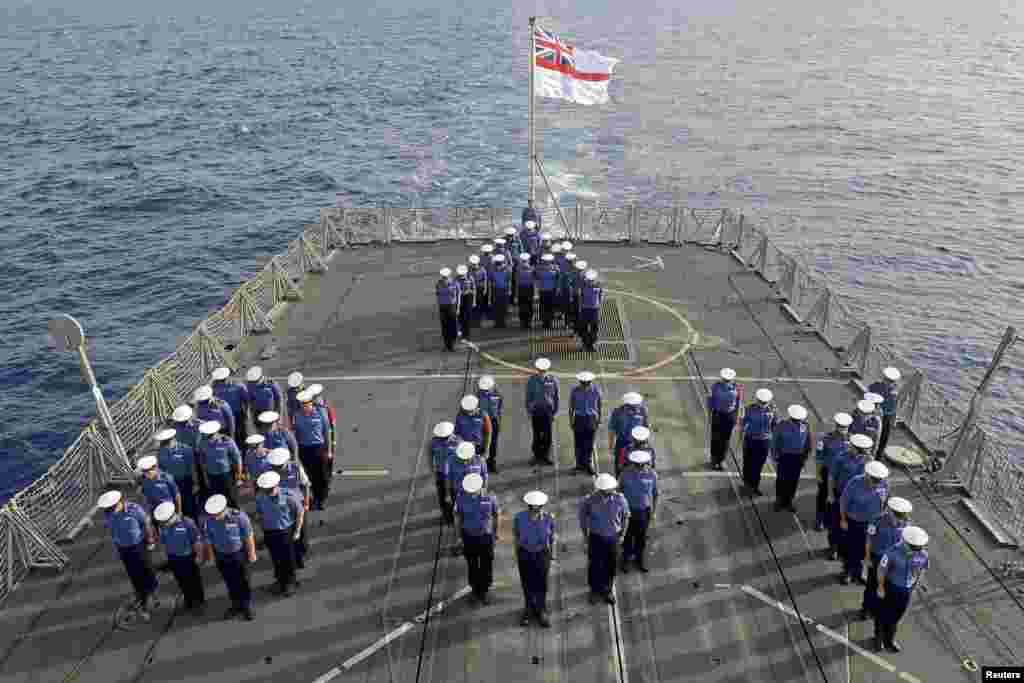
[{"x": 565, "y": 73}]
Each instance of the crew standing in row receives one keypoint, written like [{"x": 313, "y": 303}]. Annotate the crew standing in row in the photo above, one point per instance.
[
  {"x": 604, "y": 518},
  {"x": 723, "y": 403},
  {"x": 793, "y": 442},
  {"x": 759, "y": 422},
  {"x": 476, "y": 513},
  {"x": 184, "y": 545},
  {"x": 542, "y": 394},
  {"x": 584, "y": 419},
  {"x": 448, "y": 297},
  {"x": 132, "y": 534}
]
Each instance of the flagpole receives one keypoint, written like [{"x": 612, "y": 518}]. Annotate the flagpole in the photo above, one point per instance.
[{"x": 533, "y": 57}]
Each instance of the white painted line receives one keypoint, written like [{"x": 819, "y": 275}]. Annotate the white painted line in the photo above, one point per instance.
[
  {"x": 735, "y": 475},
  {"x": 723, "y": 585},
  {"x": 566, "y": 375},
  {"x": 363, "y": 473}
]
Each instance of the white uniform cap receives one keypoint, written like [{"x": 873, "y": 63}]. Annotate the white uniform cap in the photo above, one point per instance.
[
  {"x": 570, "y": 256},
  {"x": 524, "y": 257},
  {"x": 567, "y": 245},
  {"x": 499, "y": 258},
  {"x": 221, "y": 373},
  {"x": 304, "y": 396},
  {"x": 443, "y": 430},
  {"x": 209, "y": 427},
  {"x": 900, "y": 505},
  {"x": 556, "y": 248},
  {"x": 486, "y": 383},
  {"x": 640, "y": 433},
  {"x": 916, "y": 536},
  {"x": 203, "y": 393},
  {"x": 865, "y": 406},
  {"x": 164, "y": 511},
  {"x": 255, "y": 440},
  {"x": 861, "y": 441},
  {"x": 605, "y": 482},
  {"x": 728, "y": 374},
  {"x": 147, "y": 462},
  {"x": 465, "y": 451},
  {"x": 268, "y": 480},
  {"x": 165, "y": 434},
  {"x": 500, "y": 242},
  {"x": 255, "y": 374},
  {"x": 764, "y": 395},
  {"x": 547, "y": 258},
  {"x": 474, "y": 259},
  {"x": 269, "y": 416},
  {"x": 510, "y": 232},
  {"x": 472, "y": 482},
  {"x": 446, "y": 272},
  {"x": 585, "y": 376},
  {"x": 109, "y": 499},
  {"x": 461, "y": 269},
  {"x": 581, "y": 265},
  {"x": 590, "y": 275},
  {"x": 542, "y": 364},
  {"x": 545, "y": 236},
  {"x": 470, "y": 402},
  {"x": 279, "y": 456},
  {"x": 876, "y": 469},
  {"x": 295, "y": 379},
  {"x": 891, "y": 374},
  {"x": 873, "y": 397},
  {"x": 797, "y": 412},
  {"x": 535, "y": 498},
  {"x": 632, "y": 399},
  {"x": 216, "y": 504},
  {"x": 640, "y": 457},
  {"x": 843, "y": 419},
  {"x": 182, "y": 414},
  {"x": 315, "y": 389},
  {"x": 487, "y": 248},
  {"x": 531, "y": 224}
]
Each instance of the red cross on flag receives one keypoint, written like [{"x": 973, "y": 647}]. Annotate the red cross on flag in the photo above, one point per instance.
[{"x": 565, "y": 73}]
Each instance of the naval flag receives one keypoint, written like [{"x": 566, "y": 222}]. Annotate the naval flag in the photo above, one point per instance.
[{"x": 563, "y": 72}]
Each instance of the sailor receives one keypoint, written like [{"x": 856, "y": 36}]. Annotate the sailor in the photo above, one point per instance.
[
  {"x": 545, "y": 242},
  {"x": 294, "y": 479},
  {"x": 276, "y": 436},
  {"x": 632, "y": 413},
  {"x": 221, "y": 462},
  {"x": 295, "y": 385},
  {"x": 531, "y": 215},
  {"x": 158, "y": 486},
  {"x": 570, "y": 291},
  {"x": 229, "y": 541},
  {"x": 492, "y": 403},
  {"x": 180, "y": 538},
  {"x": 255, "y": 458},
  {"x": 132, "y": 535},
  {"x": 866, "y": 422},
  {"x": 448, "y": 296},
  {"x": 442, "y": 451},
  {"x": 473, "y": 425},
  {"x": 792, "y": 444},
  {"x": 513, "y": 249},
  {"x": 513, "y": 242},
  {"x": 525, "y": 278},
  {"x": 639, "y": 440},
  {"x": 186, "y": 426},
  {"x": 591, "y": 296},
  {"x": 314, "y": 449},
  {"x": 467, "y": 300},
  {"x": 211, "y": 409},
  {"x": 882, "y": 535},
  {"x": 466, "y": 461},
  {"x": 542, "y": 407},
  {"x": 477, "y": 516},
  {"x": 580, "y": 268},
  {"x": 178, "y": 460},
  {"x": 889, "y": 392},
  {"x": 264, "y": 395},
  {"x": 723, "y": 403},
  {"x": 861, "y": 504},
  {"x": 559, "y": 304},
  {"x": 844, "y": 468},
  {"x": 480, "y": 278},
  {"x": 501, "y": 282},
  {"x": 640, "y": 487},
  {"x": 487, "y": 265},
  {"x": 556, "y": 251},
  {"x": 282, "y": 514},
  {"x": 604, "y": 518},
  {"x": 501, "y": 247},
  {"x": 535, "y": 540},
  {"x": 531, "y": 242},
  {"x": 328, "y": 412},
  {"x": 833, "y": 445},
  {"x": 547, "y": 283},
  {"x": 236, "y": 396},
  {"x": 584, "y": 418},
  {"x": 758, "y": 427},
  {"x": 899, "y": 571}
]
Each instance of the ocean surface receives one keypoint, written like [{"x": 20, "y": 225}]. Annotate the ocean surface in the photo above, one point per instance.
[{"x": 155, "y": 154}]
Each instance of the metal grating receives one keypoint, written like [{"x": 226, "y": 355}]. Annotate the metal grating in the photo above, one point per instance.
[{"x": 563, "y": 344}]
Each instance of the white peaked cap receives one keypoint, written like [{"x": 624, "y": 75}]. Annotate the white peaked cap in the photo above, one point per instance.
[
  {"x": 164, "y": 511},
  {"x": 640, "y": 457},
  {"x": 203, "y": 393},
  {"x": 542, "y": 364},
  {"x": 531, "y": 224},
  {"x": 499, "y": 258},
  {"x": 585, "y": 376},
  {"x": 165, "y": 434},
  {"x": 461, "y": 269},
  {"x": 500, "y": 241},
  {"x": 873, "y": 397},
  {"x": 487, "y": 248},
  {"x": 295, "y": 379},
  {"x": 304, "y": 396},
  {"x": 590, "y": 275},
  {"x": 898, "y": 504},
  {"x": 535, "y": 498},
  {"x": 556, "y": 248},
  {"x": 764, "y": 395},
  {"x": 605, "y": 482},
  {"x": 279, "y": 456},
  {"x": 797, "y": 412},
  {"x": 254, "y": 374},
  {"x": 109, "y": 499},
  {"x": 891, "y": 373},
  {"x": 915, "y": 535},
  {"x": 640, "y": 433},
  {"x": 510, "y": 231},
  {"x": 474, "y": 259},
  {"x": 182, "y": 414},
  {"x": 465, "y": 451},
  {"x": 581, "y": 265},
  {"x": 470, "y": 402},
  {"x": 472, "y": 482},
  {"x": 269, "y": 416},
  {"x": 843, "y": 419},
  {"x": 209, "y": 427},
  {"x": 147, "y": 462},
  {"x": 446, "y": 272},
  {"x": 545, "y": 236},
  {"x": 220, "y": 373},
  {"x": 728, "y": 374},
  {"x": 255, "y": 439},
  {"x": 315, "y": 389},
  {"x": 216, "y": 504},
  {"x": 866, "y": 406},
  {"x": 524, "y": 256},
  {"x": 570, "y": 256},
  {"x": 861, "y": 441},
  {"x": 486, "y": 383},
  {"x": 567, "y": 245},
  {"x": 268, "y": 480},
  {"x": 443, "y": 430},
  {"x": 876, "y": 469},
  {"x": 632, "y": 399},
  {"x": 548, "y": 258}
]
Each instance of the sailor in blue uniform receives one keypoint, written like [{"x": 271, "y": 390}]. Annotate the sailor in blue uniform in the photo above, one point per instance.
[
  {"x": 255, "y": 459},
  {"x": 513, "y": 248},
  {"x": 833, "y": 445},
  {"x": 448, "y": 297},
  {"x": 294, "y": 479},
  {"x": 221, "y": 462},
  {"x": 591, "y": 296},
  {"x": 535, "y": 540},
  {"x": 179, "y": 461},
  {"x": 531, "y": 242},
  {"x": 296, "y": 383},
  {"x": 466, "y": 461},
  {"x": 236, "y": 396},
  {"x": 442, "y": 451},
  {"x": 547, "y": 284},
  {"x": 210, "y": 409},
  {"x": 571, "y": 291},
  {"x": 467, "y": 300},
  {"x": 899, "y": 572},
  {"x": 132, "y": 535},
  {"x": 604, "y": 518},
  {"x": 229, "y": 541},
  {"x": 479, "y": 276},
  {"x": 542, "y": 407},
  {"x": 477, "y": 520},
  {"x": 640, "y": 487},
  {"x": 792, "y": 444},
  {"x": 473, "y": 425},
  {"x": 186, "y": 426},
  {"x": 501, "y": 283},
  {"x": 274, "y": 434},
  {"x": 545, "y": 242},
  {"x": 180, "y": 538},
  {"x": 487, "y": 265},
  {"x": 866, "y": 422},
  {"x": 842, "y": 469},
  {"x": 758, "y": 428},
  {"x": 889, "y": 392},
  {"x": 282, "y": 515},
  {"x": 723, "y": 404},
  {"x": 632, "y": 413},
  {"x": 525, "y": 278},
  {"x": 492, "y": 403},
  {"x": 861, "y": 504},
  {"x": 311, "y": 432},
  {"x": 157, "y": 486},
  {"x": 579, "y": 266},
  {"x": 531, "y": 215},
  {"x": 558, "y": 304},
  {"x": 584, "y": 418},
  {"x": 263, "y": 394},
  {"x": 640, "y": 440},
  {"x": 882, "y": 535}
]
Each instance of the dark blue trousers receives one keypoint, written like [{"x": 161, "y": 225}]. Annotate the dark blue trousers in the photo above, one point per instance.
[
  {"x": 547, "y": 308},
  {"x": 235, "y": 570},
  {"x": 755, "y": 453},
  {"x": 603, "y": 562},
  {"x": 588, "y": 325},
  {"x": 789, "y": 468},
  {"x": 466, "y": 315},
  {"x": 836, "y": 536},
  {"x": 584, "y": 432},
  {"x": 443, "y": 500},
  {"x": 721, "y": 430},
  {"x": 223, "y": 484},
  {"x": 190, "y": 581},
  {"x": 856, "y": 537},
  {"x": 870, "y": 604},
  {"x": 449, "y": 325},
  {"x": 635, "y": 542},
  {"x": 282, "y": 552},
  {"x": 525, "y": 307},
  {"x": 479, "y": 554},
  {"x": 141, "y": 574},
  {"x": 541, "y": 436},
  {"x": 492, "y": 454},
  {"x": 533, "y": 573},
  {"x": 301, "y": 548},
  {"x": 188, "y": 497},
  {"x": 821, "y": 502},
  {"x": 891, "y": 610},
  {"x": 501, "y": 301}
]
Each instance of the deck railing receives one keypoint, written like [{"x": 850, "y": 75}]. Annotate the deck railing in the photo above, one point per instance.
[{"x": 55, "y": 507}]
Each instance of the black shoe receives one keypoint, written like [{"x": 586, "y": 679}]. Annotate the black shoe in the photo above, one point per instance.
[
  {"x": 542, "y": 619},
  {"x": 862, "y": 614},
  {"x": 288, "y": 591},
  {"x": 844, "y": 580},
  {"x": 247, "y": 614},
  {"x": 609, "y": 597},
  {"x": 525, "y": 619},
  {"x": 877, "y": 645},
  {"x": 894, "y": 646},
  {"x": 230, "y": 614},
  {"x": 757, "y": 492},
  {"x": 833, "y": 555},
  {"x": 642, "y": 566},
  {"x": 859, "y": 581},
  {"x": 492, "y": 467}
]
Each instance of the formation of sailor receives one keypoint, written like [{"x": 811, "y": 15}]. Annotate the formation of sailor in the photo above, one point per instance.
[
  {"x": 829, "y": 449},
  {"x": 591, "y": 296},
  {"x": 236, "y": 396},
  {"x": 860, "y": 505},
  {"x": 632, "y": 413},
  {"x": 542, "y": 398},
  {"x": 476, "y": 514},
  {"x": 467, "y": 300},
  {"x": 221, "y": 462},
  {"x": 640, "y": 487},
  {"x": 604, "y": 519},
  {"x": 448, "y": 297},
  {"x": 229, "y": 541},
  {"x": 793, "y": 441},
  {"x": 899, "y": 571},
  {"x": 526, "y": 275},
  {"x": 132, "y": 535},
  {"x": 723, "y": 405},
  {"x": 842, "y": 469},
  {"x": 178, "y": 460},
  {"x": 492, "y": 403},
  {"x": 535, "y": 540},
  {"x": 282, "y": 514},
  {"x": 758, "y": 431},
  {"x": 882, "y": 534},
  {"x": 584, "y": 419},
  {"x": 442, "y": 450},
  {"x": 889, "y": 391},
  {"x": 546, "y": 278},
  {"x": 264, "y": 395},
  {"x": 184, "y": 546},
  {"x": 501, "y": 286},
  {"x": 312, "y": 432}
]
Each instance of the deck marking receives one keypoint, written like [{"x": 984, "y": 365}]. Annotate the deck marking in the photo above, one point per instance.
[
  {"x": 723, "y": 585},
  {"x": 526, "y": 374},
  {"x": 363, "y": 473}
]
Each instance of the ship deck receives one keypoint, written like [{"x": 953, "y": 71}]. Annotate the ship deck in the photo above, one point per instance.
[{"x": 384, "y": 598}]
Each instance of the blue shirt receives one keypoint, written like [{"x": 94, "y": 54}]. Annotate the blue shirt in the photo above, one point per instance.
[
  {"x": 293, "y": 477},
  {"x": 725, "y": 397},
  {"x": 792, "y": 437},
  {"x": 256, "y": 462},
  {"x": 279, "y": 511},
  {"x": 604, "y": 515},
  {"x": 187, "y": 432},
  {"x": 179, "y": 537},
  {"x": 457, "y": 469},
  {"x": 542, "y": 395},
  {"x": 639, "y": 487},
  {"x": 547, "y": 277},
  {"x": 845, "y": 468},
  {"x": 220, "y": 454},
  {"x": 491, "y": 402},
  {"x": 448, "y": 292},
  {"x": 759, "y": 421},
  {"x": 534, "y": 535},
  {"x": 441, "y": 450},
  {"x": 294, "y": 405},
  {"x": 470, "y": 427},
  {"x": 218, "y": 410},
  {"x": 281, "y": 438},
  {"x": 477, "y": 513},
  {"x": 829, "y": 448},
  {"x": 869, "y": 425},
  {"x": 903, "y": 569},
  {"x": 501, "y": 278},
  {"x": 591, "y": 295},
  {"x": 227, "y": 535},
  {"x": 235, "y": 395},
  {"x": 127, "y": 527},
  {"x": 862, "y": 503},
  {"x": 264, "y": 396},
  {"x": 585, "y": 401},
  {"x": 311, "y": 430},
  {"x": 885, "y": 533},
  {"x": 159, "y": 489},
  {"x": 889, "y": 392},
  {"x": 526, "y": 275},
  {"x": 178, "y": 460},
  {"x": 622, "y": 421}
]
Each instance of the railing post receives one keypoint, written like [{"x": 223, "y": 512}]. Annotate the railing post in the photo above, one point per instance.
[
  {"x": 976, "y": 465},
  {"x": 739, "y": 234},
  {"x": 761, "y": 262},
  {"x": 578, "y": 232},
  {"x": 325, "y": 242}
]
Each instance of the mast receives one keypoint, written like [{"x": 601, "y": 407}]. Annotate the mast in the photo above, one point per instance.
[{"x": 533, "y": 155}]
